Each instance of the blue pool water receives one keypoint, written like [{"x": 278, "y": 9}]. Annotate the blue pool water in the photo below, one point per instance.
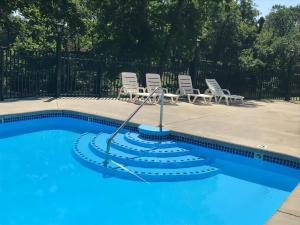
[{"x": 41, "y": 183}]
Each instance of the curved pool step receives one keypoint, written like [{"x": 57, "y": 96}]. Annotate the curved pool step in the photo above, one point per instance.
[
  {"x": 86, "y": 157},
  {"x": 134, "y": 138},
  {"x": 120, "y": 143},
  {"x": 153, "y": 131},
  {"x": 99, "y": 144}
]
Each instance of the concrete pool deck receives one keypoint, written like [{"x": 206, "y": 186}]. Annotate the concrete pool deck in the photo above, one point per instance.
[{"x": 272, "y": 124}]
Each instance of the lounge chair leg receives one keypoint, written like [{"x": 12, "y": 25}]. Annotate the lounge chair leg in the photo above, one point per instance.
[
  {"x": 189, "y": 98},
  {"x": 156, "y": 99},
  {"x": 121, "y": 92},
  {"x": 134, "y": 99},
  {"x": 130, "y": 97},
  {"x": 226, "y": 99},
  {"x": 172, "y": 100},
  {"x": 175, "y": 100},
  {"x": 208, "y": 101},
  {"x": 149, "y": 100},
  {"x": 220, "y": 99},
  {"x": 194, "y": 100}
]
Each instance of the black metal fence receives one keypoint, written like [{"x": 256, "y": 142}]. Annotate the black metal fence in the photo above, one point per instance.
[{"x": 38, "y": 74}]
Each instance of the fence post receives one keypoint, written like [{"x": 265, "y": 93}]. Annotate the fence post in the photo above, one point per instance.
[
  {"x": 1, "y": 73},
  {"x": 99, "y": 77},
  {"x": 261, "y": 82},
  {"x": 287, "y": 96},
  {"x": 193, "y": 70},
  {"x": 194, "y": 64},
  {"x": 58, "y": 60}
]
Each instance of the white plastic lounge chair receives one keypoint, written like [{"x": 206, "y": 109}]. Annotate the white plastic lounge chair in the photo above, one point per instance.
[
  {"x": 219, "y": 93},
  {"x": 131, "y": 87},
  {"x": 186, "y": 89},
  {"x": 153, "y": 81}
]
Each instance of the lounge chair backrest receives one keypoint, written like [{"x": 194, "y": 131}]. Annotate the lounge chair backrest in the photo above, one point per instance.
[
  {"x": 185, "y": 83},
  {"x": 130, "y": 82},
  {"x": 153, "y": 81},
  {"x": 214, "y": 87}
]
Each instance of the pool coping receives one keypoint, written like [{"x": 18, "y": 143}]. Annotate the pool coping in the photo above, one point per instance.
[
  {"x": 220, "y": 145},
  {"x": 289, "y": 211}
]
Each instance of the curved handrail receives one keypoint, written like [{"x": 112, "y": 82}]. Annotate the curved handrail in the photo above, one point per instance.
[{"x": 109, "y": 140}]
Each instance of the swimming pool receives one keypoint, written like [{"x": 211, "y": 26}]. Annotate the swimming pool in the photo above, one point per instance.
[{"x": 41, "y": 182}]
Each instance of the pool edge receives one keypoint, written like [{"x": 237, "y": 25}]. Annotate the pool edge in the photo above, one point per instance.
[
  {"x": 220, "y": 145},
  {"x": 225, "y": 146},
  {"x": 289, "y": 211}
]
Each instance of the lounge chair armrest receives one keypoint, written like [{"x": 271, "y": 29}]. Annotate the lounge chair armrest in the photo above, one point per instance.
[
  {"x": 197, "y": 91},
  {"x": 208, "y": 92},
  {"x": 226, "y": 91},
  {"x": 141, "y": 88},
  {"x": 165, "y": 90},
  {"x": 149, "y": 90},
  {"x": 180, "y": 91},
  {"x": 123, "y": 90}
]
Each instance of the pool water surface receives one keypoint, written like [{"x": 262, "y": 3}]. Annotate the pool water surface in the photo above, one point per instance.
[{"x": 41, "y": 183}]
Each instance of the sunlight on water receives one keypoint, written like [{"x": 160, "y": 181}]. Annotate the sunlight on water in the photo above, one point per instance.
[{"x": 40, "y": 183}]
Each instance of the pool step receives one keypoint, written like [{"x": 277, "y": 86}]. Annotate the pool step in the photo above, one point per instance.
[
  {"x": 99, "y": 144},
  {"x": 120, "y": 143},
  {"x": 153, "y": 131},
  {"x": 134, "y": 138},
  {"x": 83, "y": 153}
]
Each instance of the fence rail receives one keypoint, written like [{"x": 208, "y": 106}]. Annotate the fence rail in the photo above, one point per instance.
[{"x": 37, "y": 74}]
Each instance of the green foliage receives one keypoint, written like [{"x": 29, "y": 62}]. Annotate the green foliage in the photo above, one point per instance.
[
  {"x": 278, "y": 43},
  {"x": 229, "y": 29},
  {"x": 226, "y": 31}
]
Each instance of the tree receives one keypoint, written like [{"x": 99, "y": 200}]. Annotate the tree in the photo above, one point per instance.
[
  {"x": 279, "y": 37},
  {"x": 37, "y": 22},
  {"x": 9, "y": 24}
]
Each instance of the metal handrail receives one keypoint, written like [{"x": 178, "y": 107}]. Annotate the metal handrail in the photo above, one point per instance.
[{"x": 109, "y": 140}]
